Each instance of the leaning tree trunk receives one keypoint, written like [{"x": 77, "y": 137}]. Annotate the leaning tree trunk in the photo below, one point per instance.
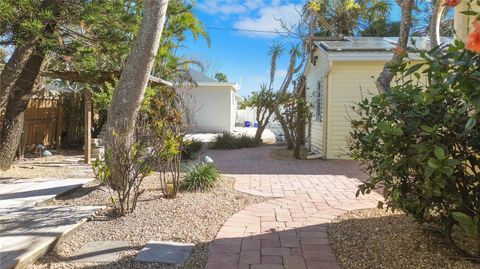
[
  {"x": 435, "y": 23},
  {"x": 12, "y": 70},
  {"x": 283, "y": 124},
  {"x": 129, "y": 93},
  {"x": 13, "y": 122},
  {"x": 386, "y": 76}
]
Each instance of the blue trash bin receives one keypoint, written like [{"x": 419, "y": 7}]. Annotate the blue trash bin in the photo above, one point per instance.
[
  {"x": 255, "y": 125},
  {"x": 247, "y": 124}
]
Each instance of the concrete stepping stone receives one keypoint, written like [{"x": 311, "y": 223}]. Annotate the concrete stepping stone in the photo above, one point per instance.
[
  {"x": 15, "y": 193},
  {"x": 28, "y": 233},
  {"x": 100, "y": 252},
  {"x": 165, "y": 252}
]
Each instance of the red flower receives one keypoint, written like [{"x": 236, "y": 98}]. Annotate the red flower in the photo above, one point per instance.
[
  {"x": 473, "y": 42},
  {"x": 452, "y": 3}
]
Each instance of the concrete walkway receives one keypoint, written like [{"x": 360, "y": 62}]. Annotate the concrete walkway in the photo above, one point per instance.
[
  {"x": 289, "y": 232},
  {"x": 28, "y": 231}
]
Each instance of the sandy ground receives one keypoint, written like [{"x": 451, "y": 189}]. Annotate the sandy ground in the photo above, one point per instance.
[{"x": 373, "y": 238}]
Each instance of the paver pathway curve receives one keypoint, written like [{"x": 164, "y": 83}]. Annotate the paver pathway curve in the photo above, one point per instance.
[{"x": 290, "y": 230}]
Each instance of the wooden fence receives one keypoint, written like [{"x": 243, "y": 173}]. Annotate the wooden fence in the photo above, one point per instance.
[{"x": 47, "y": 122}]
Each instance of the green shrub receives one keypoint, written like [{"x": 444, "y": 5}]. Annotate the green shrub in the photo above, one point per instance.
[
  {"x": 201, "y": 177},
  {"x": 245, "y": 141},
  {"x": 191, "y": 149},
  {"x": 225, "y": 140},
  {"x": 229, "y": 141},
  {"x": 421, "y": 142}
]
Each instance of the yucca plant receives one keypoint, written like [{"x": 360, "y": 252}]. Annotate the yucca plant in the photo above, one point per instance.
[
  {"x": 201, "y": 177},
  {"x": 245, "y": 141},
  {"x": 191, "y": 149},
  {"x": 225, "y": 140}
]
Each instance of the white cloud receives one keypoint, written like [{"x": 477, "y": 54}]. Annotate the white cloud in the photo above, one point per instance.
[
  {"x": 268, "y": 20},
  {"x": 256, "y": 15},
  {"x": 280, "y": 74},
  {"x": 229, "y": 7}
]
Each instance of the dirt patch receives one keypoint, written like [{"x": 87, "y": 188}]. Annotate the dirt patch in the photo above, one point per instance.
[
  {"x": 285, "y": 154},
  {"x": 191, "y": 217},
  {"x": 373, "y": 238}
]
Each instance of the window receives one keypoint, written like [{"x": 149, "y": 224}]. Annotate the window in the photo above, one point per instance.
[{"x": 319, "y": 102}]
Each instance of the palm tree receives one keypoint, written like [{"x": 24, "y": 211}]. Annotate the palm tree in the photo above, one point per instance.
[
  {"x": 275, "y": 51},
  {"x": 350, "y": 17},
  {"x": 129, "y": 94}
]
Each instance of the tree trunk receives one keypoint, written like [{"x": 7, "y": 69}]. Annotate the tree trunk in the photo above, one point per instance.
[
  {"x": 386, "y": 76},
  {"x": 130, "y": 90},
  {"x": 13, "y": 122},
  {"x": 435, "y": 22},
  {"x": 300, "y": 123},
  {"x": 259, "y": 132},
  {"x": 12, "y": 70},
  {"x": 283, "y": 124}
]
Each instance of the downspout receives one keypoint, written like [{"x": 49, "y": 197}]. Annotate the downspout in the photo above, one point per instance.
[{"x": 325, "y": 102}]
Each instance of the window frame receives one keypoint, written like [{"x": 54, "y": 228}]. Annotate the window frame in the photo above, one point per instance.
[{"x": 319, "y": 101}]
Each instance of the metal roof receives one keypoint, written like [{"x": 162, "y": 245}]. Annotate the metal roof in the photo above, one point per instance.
[
  {"x": 199, "y": 77},
  {"x": 357, "y": 44},
  {"x": 377, "y": 44},
  {"x": 421, "y": 43}
]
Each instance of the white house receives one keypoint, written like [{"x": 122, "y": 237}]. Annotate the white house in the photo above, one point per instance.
[
  {"x": 339, "y": 75},
  {"x": 212, "y": 104}
]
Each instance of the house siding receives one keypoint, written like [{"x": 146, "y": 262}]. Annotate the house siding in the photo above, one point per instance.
[
  {"x": 349, "y": 82},
  {"x": 315, "y": 74},
  {"x": 212, "y": 108}
]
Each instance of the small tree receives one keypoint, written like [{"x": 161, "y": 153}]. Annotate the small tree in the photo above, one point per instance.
[
  {"x": 296, "y": 112},
  {"x": 262, "y": 101},
  {"x": 134, "y": 163},
  {"x": 168, "y": 131},
  {"x": 221, "y": 77}
]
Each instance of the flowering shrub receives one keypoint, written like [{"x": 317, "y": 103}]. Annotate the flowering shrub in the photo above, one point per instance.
[{"x": 421, "y": 142}]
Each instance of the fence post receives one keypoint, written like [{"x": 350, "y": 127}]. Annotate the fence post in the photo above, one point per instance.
[
  {"x": 59, "y": 125},
  {"x": 88, "y": 126}
]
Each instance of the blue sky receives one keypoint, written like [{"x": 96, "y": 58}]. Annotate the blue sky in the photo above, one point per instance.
[{"x": 243, "y": 56}]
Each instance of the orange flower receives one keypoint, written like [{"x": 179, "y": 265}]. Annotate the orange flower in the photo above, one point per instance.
[
  {"x": 476, "y": 24},
  {"x": 400, "y": 51},
  {"x": 473, "y": 42},
  {"x": 452, "y": 3}
]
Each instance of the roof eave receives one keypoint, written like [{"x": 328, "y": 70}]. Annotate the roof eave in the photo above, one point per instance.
[
  {"x": 370, "y": 56},
  {"x": 235, "y": 86}
]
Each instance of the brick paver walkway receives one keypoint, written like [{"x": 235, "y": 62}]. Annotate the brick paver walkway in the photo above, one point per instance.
[{"x": 290, "y": 231}]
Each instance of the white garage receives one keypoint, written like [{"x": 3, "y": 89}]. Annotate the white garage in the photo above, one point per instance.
[{"x": 212, "y": 104}]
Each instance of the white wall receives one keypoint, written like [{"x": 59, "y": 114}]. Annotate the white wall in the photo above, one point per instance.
[
  {"x": 314, "y": 74},
  {"x": 247, "y": 114},
  {"x": 213, "y": 108},
  {"x": 351, "y": 82}
]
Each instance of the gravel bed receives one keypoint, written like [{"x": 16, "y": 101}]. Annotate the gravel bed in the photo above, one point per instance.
[
  {"x": 62, "y": 165},
  {"x": 191, "y": 217},
  {"x": 373, "y": 238}
]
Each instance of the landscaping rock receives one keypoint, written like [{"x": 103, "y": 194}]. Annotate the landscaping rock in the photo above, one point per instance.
[
  {"x": 101, "y": 251},
  {"x": 165, "y": 252}
]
